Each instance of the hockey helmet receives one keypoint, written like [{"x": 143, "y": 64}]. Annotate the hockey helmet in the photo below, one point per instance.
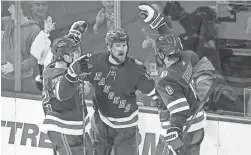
[
  {"x": 65, "y": 46},
  {"x": 168, "y": 44},
  {"x": 116, "y": 36}
]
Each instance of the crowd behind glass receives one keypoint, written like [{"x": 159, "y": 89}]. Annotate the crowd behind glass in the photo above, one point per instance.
[{"x": 229, "y": 46}]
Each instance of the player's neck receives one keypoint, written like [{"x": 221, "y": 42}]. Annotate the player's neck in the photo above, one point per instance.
[{"x": 112, "y": 61}]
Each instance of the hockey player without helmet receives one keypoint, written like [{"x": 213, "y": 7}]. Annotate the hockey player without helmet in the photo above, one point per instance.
[
  {"x": 65, "y": 46},
  {"x": 117, "y": 35},
  {"x": 168, "y": 44}
]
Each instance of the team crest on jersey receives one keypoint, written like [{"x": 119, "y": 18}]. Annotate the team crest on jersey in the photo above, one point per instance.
[
  {"x": 169, "y": 89},
  {"x": 164, "y": 74}
]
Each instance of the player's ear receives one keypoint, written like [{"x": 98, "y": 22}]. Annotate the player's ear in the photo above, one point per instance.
[{"x": 67, "y": 58}]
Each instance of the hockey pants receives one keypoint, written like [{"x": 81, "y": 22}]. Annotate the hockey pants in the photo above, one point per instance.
[
  {"x": 192, "y": 144},
  {"x": 124, "y": 140},
  {"x": 70, "y": 144}
]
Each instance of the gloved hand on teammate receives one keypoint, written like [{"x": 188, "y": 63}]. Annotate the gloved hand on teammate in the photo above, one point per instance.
[
  {"x": 77, "y": 30},
  {"x": 79, "y": 69}
]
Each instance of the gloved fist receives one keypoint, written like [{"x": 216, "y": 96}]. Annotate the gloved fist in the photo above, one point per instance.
[
  {"x": 78, "y": 29},
  {"x": 79, "y": 69},
  {"x": 173, "y": 138},
  {"x": 151, "y": 15},
  {"x": 39, "y": 82}
]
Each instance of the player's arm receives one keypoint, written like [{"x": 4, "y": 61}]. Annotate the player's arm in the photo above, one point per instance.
[
  {"x": 77, "y": 72},
  {"x": 176, "y": 103},
  {"x": 145, "y": 83},
  {"x": 64, "y": 89}
]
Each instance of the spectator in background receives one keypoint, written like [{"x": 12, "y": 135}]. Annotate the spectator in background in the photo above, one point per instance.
[
  {"x": 29, "y": 30},
  {"x": 201, "y": 30},
  {"x": 105, "y": 14},
  {"x": 39, "y": 10}
]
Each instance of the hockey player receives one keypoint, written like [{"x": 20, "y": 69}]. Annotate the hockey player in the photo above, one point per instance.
[
  {"x": 63, "y": 101},
  {"x": 115, "y": 77},
  {"x": 176, "y": 90},
  {"x": 184, "y": 81}
]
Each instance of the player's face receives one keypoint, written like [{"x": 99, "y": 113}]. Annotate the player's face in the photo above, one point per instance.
[
  {"x": 69, "y": 58},
  {"x": 119, "y": 51}
]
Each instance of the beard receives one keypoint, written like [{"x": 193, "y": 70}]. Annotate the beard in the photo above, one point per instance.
[{"x": 120, "y": 57}]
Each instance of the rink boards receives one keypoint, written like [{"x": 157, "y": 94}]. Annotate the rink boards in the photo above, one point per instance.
[{"x": 20, "y": 133}]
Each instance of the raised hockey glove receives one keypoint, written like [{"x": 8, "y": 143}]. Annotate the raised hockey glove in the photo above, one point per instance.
[
  {"x": 39, "y": 82},
  {"x": 173, "y": 141},
  {"x": 79, "y": 69},
  {"x": 78, "y": 29},
  {"x": 151, "y": 16}
]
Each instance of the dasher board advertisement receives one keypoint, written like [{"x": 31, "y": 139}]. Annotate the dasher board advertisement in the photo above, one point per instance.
[{"x": 20, "y": 133}]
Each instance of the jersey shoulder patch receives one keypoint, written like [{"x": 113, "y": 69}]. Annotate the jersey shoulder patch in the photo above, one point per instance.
[
  {"x": 169, "y": 89},
  {"x": 164, "y": 74}
]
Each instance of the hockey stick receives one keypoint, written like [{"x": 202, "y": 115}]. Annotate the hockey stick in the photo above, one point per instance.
[
  {"x": 180, "y": 142},
  {"x": 83, "y": 111},
  {"x": 201, "y": 105}
]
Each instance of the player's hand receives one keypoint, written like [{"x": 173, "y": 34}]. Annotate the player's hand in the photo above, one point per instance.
[
  {"x": 78, "y": 29},
  {"x": 151, "y": 16},
  {"x": 173, "y": 141},
  {"x": 39, "y": 82},
  {"x": 7, "y": 68},
  {"x": 174, "y": 10},
  {"x": 79, "y": 68},
  {"x": 48, "y": 25}
]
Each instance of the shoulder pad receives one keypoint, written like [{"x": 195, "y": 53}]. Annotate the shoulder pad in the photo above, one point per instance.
[
  {"x": 50, "y": 73},
  {"x": 51, "y": 76}
]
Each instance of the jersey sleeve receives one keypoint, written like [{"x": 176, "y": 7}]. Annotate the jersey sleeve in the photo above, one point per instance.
[
  {"x": 175, "y": 101},
  {"x": 57, "y": 82},
  {"x": 145, "y": 83}
]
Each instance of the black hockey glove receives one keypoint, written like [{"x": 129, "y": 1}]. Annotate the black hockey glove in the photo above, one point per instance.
[
  {"x": 39, "y": 82},
  {"x": 173, "y": 141},
  {"x": 79, "y": 69},
  {"x": 78, "y": 29}
]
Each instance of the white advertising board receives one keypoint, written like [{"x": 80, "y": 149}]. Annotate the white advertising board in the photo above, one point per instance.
[{"x": 20, "y": 133}]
